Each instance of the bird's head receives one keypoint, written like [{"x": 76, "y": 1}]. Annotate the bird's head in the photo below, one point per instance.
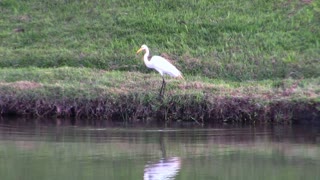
[{"x": 143, "y": 47}]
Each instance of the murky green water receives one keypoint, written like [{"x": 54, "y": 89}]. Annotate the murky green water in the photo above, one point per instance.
[{"x": 33, "y": 151}]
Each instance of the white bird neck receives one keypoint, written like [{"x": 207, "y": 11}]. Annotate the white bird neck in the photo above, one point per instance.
[{"x": 145, "y": 58}]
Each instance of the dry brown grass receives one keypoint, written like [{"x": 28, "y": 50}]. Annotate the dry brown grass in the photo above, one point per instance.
[{"x": 22, "y": 85}]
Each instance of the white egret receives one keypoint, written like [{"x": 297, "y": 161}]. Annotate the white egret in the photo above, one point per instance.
[{"x": 161, "y": 65}]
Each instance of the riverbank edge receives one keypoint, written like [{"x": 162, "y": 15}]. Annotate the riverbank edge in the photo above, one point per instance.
[{"x": 206, "y": 109}]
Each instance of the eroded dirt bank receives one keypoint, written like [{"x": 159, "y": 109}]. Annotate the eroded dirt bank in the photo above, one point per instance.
[{"x": 145, "y": 108}]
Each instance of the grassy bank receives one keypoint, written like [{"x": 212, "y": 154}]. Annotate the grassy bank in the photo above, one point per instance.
[
  {"x": 133, "y": 96},
  {"x": 243, "y": 61}
]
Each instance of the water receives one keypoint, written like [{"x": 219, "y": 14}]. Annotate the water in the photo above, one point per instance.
[{"x": 32, "y": 151}]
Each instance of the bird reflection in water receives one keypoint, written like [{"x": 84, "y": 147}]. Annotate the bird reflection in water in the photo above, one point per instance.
[{"x": 165, "y": 169}]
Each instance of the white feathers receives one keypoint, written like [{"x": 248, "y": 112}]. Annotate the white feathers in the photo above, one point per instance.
[
  {"x": 160, "y": 64},
  {"x": 163, "y": 66}
]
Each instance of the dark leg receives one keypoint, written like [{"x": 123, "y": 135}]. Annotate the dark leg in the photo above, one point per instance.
[{"x": 163, "y": 86}]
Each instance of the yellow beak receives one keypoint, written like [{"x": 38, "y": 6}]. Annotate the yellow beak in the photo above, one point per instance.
[{"x": 139, "y": 50}]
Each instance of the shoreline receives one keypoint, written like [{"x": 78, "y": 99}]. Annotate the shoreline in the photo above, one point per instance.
[
  {"x": 140, "y": 108},
  {"x": 85, "y": 93}
]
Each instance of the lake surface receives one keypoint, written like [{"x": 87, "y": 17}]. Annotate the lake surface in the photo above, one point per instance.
[{"x": 45, "y": 151}]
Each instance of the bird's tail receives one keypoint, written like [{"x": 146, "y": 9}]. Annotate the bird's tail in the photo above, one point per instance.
[{"x": 180, "y": 77}]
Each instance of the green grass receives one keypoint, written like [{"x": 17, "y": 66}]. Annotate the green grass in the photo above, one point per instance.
[
  {"x": 80, "y": 49},
  {"x": 69, "y": 82},
  {"x": 235, "y": 40}
]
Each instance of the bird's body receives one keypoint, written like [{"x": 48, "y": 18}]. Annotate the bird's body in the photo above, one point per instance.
[{"x": 161, "y": 65}]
